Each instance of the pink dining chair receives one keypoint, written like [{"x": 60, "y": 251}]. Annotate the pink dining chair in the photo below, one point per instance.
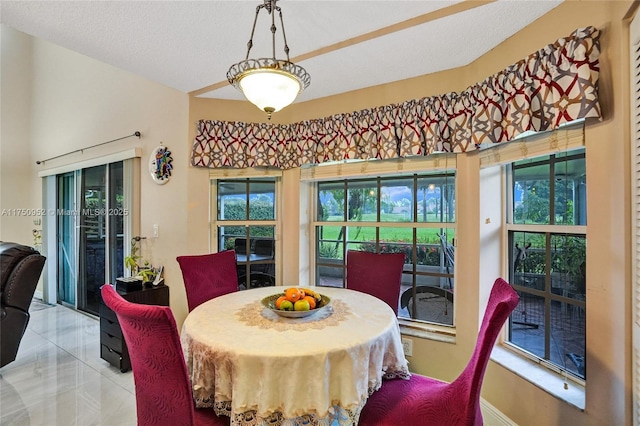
[
  {"x": 427, "y": 401},
  {"x": 163, "y": 389},
  {"x": 378, "y": 274},
  {"x": 208, "y": 275}
]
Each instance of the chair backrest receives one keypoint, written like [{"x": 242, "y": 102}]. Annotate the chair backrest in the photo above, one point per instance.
[
  {"x": 20, "y": 270},
  {"x": 240, "y": 246},
  {"x": 209, "y": 275},
  {"x": 502, "y": 301},
  {"x": 163, "y": 388},
  {"x": 264, "y": 247},
  {"x": 378, "y": 274},
  {"x": 448, "y": 251}
]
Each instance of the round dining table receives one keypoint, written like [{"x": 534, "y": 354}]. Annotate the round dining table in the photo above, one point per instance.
[{"x": 256, "y": 367}]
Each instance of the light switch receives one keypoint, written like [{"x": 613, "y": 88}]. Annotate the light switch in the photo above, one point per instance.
[{"x": 155, "y": 230}]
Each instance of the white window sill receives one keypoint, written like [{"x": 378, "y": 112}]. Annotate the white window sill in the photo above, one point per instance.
[
  {"x": 547, "y": 380},
  {"x": 427, "y": 331}
]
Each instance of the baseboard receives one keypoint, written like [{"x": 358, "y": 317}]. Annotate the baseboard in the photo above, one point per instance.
[
  {"x": 494, "y": 417},
  {"x": 37, "y": 295}
]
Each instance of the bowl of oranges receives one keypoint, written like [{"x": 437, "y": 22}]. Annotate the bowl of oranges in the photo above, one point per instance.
[{"x": 296, "y": 302}]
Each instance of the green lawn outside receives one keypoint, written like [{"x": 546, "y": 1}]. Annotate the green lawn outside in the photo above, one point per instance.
[
  {"x": 361, "y": 233},
  {"x": 363, "y": 238},
  {"x": 390, "y": 217}
]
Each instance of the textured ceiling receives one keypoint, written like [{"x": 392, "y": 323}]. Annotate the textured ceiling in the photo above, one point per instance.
[{"x": 344, "y": 45}]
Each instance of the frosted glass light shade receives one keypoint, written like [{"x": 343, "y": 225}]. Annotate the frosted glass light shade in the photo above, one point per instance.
[{"x": 269, "y": 89}]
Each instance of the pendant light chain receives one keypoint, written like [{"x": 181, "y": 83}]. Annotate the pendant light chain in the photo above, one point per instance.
[
  {"x": 269, "y": 83},
  {"x": 253, "y": 30},
  {"x": 284, "y": 35}
]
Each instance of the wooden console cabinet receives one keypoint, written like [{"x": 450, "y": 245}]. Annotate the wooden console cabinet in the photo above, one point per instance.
[{"x": 112, "y": 345}]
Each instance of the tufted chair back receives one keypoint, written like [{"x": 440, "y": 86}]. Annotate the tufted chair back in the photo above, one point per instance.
[
  {"x": 426, "y": 401},
  {"x": 377, "y": 274},
  {"x": 163, "y": 388},
  {"x": 208, "y": 275}
]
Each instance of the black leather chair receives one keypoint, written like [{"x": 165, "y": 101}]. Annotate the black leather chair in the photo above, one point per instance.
[{"x": 20, "y": 269}]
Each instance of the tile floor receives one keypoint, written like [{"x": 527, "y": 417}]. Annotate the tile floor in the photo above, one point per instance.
[{"x": 58, "y": 377}]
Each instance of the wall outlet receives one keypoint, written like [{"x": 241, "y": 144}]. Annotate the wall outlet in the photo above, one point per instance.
[{"x": 407, "y": 346}]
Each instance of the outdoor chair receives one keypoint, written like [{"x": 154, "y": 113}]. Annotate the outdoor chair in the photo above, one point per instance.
[
  {"x": 257, "y": 279},
  {"x": 448, "y": 252},
  {"x": 240, "y": 246},
  {"x": 265, "y": 247},
  {"x": 163, "y": 390},
  {"x": 427, "y": 401},
  {"x": 434, "y": 304}
]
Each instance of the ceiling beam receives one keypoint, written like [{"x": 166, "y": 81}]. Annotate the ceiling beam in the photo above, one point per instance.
[{"x": 381, "y": 32}]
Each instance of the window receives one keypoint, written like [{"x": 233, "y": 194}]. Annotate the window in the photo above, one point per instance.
[
  {"x": 412, "y": 214},
  {"x": 547, "y": 258},
  {"x": 246, "y": 222}
]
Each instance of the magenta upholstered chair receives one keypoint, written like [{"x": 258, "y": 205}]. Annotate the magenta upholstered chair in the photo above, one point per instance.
[
  {"x": 426, "y": 401},
  {"x": 378, "y": 274},
  {"x": 209, "y": 275},
  {"x": 163, "y": 388}
]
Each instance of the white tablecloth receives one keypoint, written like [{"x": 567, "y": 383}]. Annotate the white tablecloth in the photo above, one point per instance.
[{"x": 257, "y": 367}]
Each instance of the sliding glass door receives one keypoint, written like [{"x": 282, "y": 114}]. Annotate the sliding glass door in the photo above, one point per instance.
[
  {"x": 116, "y": 222},
  {"x": 66, "y": 239},
  {"x": 90, "y": 233}
]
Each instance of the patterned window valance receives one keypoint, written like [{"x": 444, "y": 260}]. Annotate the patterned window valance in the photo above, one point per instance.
[{"x": 552, "y": 86}]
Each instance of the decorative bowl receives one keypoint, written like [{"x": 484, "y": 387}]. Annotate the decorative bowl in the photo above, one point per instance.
[{"x": 269, "y": 302}]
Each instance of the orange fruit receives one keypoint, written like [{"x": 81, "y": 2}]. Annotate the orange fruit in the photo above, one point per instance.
[
  {"x": 311, "y": 300},
  {"x": 280, "y": 300},
  {"x": 293, "y": 294},
  {"x": 301, "y": 305}
]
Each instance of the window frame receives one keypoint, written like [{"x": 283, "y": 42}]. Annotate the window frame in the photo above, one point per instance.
[
  {"x": 216, "y": 175},
  {"x": 413, "y": 327},
  {"x": 548, "y": 230},
  {"x": 494, "y": 158}
]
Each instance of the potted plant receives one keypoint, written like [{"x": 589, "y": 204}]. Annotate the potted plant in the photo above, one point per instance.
[
  {"x": 131, "y": 261},
  {"x": 147, "y": 273},
  {"x": 141, "y": 269}
]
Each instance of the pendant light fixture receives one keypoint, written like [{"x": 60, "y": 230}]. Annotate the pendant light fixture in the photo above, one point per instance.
[{"x": 269, "y": 83}]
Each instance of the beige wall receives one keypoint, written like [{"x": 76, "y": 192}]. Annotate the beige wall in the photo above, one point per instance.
[
  {"x": 78, "y": 102},
  {"x": 608, "y": 395},
  {"x": 17, "y": 188},
  {"x": 68, "y": 102}
]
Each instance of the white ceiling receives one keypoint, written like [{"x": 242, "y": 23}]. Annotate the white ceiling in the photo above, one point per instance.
[{"x": 190, "y": 45}]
